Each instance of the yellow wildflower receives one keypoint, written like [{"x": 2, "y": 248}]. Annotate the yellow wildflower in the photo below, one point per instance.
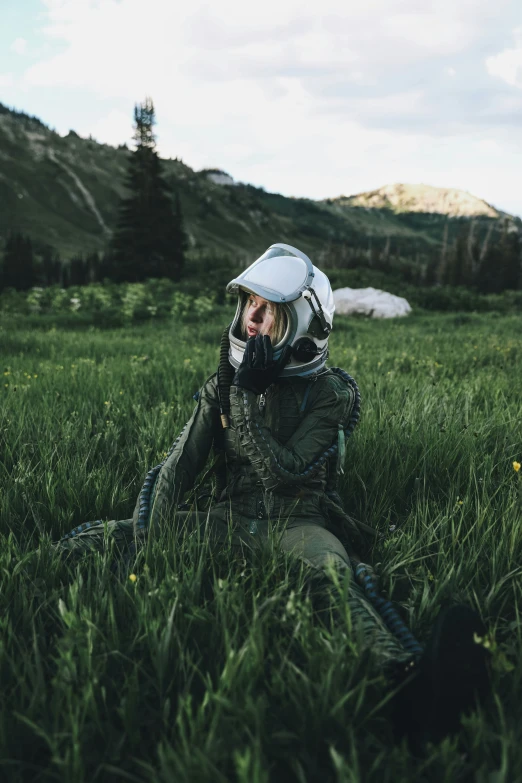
[
  {"x": 516, "y": 466},
  {"x": 484, "y": 641},
  {"x": 133, "y": 577}
]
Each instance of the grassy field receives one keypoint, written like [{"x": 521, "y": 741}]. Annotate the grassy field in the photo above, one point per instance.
[{"x": 214, "y": 669}]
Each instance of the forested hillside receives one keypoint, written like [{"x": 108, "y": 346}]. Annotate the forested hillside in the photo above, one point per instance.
[{"x": 62, "y": 194}]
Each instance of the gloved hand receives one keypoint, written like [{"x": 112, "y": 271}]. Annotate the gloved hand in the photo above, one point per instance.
[{"x": 258, "y": 370}]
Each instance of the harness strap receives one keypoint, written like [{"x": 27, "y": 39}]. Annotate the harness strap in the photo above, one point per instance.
[{"x": 305, "y": 397}]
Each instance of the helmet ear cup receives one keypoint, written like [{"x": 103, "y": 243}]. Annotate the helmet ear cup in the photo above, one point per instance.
[
  {"x": 304, "y": 350},
  {"x": 316, "y": 330}
]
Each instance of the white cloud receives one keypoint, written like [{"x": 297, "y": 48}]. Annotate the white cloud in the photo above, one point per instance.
[
  {"x": 405, "y": 104},
  {"x": 451, "y": 72},
  {"x": 442, "y": 29},
  {"x": 507, "y": 65},
  {"x": 6, "y": 80},
  {"x": 19, "y": 46},
  {"x": 243, "y": 40},
  {"x": 488, "y": 146},
  {"x": 114, "y": 128}
]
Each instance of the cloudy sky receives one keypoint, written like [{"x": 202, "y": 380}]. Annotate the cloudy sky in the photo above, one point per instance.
[{"x": 313, "y": 100}]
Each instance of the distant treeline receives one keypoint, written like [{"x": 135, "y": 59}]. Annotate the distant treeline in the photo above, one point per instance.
[
  {"x": 149, "y": 241},
  {"x": 25, "y": 266},
  {"x": 490, "y": 264}
]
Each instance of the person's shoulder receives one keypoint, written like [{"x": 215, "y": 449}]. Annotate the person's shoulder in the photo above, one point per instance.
[
  {"x": 334, "y": 387},
  {"x": 208, "y": 391},
  {"x": 337, "y": 380}
]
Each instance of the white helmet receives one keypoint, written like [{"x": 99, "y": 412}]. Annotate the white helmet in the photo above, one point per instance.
[{"x": 286, "y": 276}]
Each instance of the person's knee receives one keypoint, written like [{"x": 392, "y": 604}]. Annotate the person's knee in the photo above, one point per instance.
[{"x": 316, "y": 546}]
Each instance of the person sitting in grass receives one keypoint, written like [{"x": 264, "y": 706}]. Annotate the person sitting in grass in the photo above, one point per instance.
[{"x": 277, "y": 419}]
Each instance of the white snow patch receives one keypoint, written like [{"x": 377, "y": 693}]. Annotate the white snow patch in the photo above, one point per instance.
[
  {"x": 221, "y": 179},
  {"x": 369, "y": 301}
]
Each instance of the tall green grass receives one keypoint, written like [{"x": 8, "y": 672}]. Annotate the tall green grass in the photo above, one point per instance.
[{"x": 214, "y": 668}]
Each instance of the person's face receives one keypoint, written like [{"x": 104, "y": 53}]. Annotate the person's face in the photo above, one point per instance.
[{"x": 259, "y": 315}]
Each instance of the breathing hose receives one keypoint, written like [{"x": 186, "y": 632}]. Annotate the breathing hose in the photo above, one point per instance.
[
  {"x": 366, "y": 578},
  {"x": 224, "y": 378}
]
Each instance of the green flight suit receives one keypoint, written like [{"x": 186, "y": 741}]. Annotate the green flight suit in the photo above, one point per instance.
[{"x": 277, "y": 451}]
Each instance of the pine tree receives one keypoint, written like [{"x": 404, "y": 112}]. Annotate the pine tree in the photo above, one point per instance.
[
  {"x": 78, "y": 271},
  {"x": 106, "y": 269},
  {"x": 18, "y": 267},
  {"x": 510, "y": 249},
  {"x": 460, "y": 270},
  {"x": 93, "y": 268},
  {"x": 50, "y": 265},
  {"x": 179, "y": 235},
  {"x": 149, "y": 240},
  {"x": 501, "y": 266}
]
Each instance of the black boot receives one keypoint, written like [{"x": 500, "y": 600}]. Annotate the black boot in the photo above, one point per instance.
[{"x": 446, "y": 682}]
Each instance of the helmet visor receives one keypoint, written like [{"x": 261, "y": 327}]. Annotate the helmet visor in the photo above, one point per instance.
[{"x": 281, "y": 274}]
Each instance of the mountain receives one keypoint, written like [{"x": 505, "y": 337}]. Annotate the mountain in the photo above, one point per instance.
[
  {"x": 64, "y": 191},
  {"x": 425, "y": 198}
]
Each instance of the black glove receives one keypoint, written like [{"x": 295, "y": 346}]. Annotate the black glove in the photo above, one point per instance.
[{"x": 258, "y": 370}]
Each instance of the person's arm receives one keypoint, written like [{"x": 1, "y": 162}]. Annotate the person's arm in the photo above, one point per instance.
[
  {"x": 188, "y": 457},
  {"x": 316, "y": 438}
]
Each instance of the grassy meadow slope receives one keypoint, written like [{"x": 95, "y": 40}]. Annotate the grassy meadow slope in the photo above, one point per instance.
[
  {"x": 214, "y": 669},
  {"x": 64, "y": 191}
]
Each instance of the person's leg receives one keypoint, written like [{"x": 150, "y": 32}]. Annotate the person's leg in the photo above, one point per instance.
[
  {"x": 217, "y": 525},
  {"x": 320, "y": 549},
  {"x": 434, "y": 688},
  {"x": 97, "y": 536}
]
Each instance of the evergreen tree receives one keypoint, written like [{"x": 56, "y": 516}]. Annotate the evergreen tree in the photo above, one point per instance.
[
  {"x": 441, "y": 274},
  {"x": 106, "y": 269},
  {"x": 78, "y": 271},
  {"x": 460, "y": 270},
  {"x": 18, "y": 267},
  {"x": 501, "y": 266},
  {"x": 179, "y": 236},
  {"x": 149, "y": 238},
  {"x": 93, "y": 268},
  {"x": 65, "y": 276},
  {"x": 510, "y": 251},
  {"x": 51, "y": 267}
]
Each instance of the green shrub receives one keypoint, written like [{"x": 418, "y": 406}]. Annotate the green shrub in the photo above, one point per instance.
[{"x": 113, "y": 304}]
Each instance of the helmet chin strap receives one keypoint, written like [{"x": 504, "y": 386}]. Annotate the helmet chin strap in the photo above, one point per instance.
[{"x": 308, "y": 294}]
